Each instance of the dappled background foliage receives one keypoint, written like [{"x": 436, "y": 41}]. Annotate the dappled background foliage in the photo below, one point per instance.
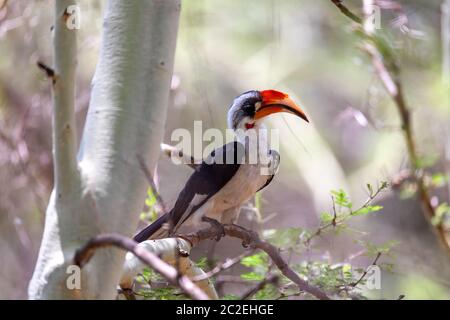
[{"x": 353, "y": 144}]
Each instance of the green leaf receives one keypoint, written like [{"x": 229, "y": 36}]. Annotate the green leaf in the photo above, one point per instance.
[
  {"x": 255, "y": 260},
  {"x": 367, "y": 210},
  {"x": 202, "y": 263},
  {"x": 370, "y": 188},
  {"x": 341, "y": 198},
  {"x": 346, "y": 268},
  {"x": 326, "y": 217},
  {"x": 438, "y": 180},
  {"x": 269, "y": 292},
  {"x": 283, "y": 238},
  {"x": 427, "y": 162},
  {"x": 252, "y": 276},
  {"x": 373, "y": 249},
  {"x": 441, "y": 214}
]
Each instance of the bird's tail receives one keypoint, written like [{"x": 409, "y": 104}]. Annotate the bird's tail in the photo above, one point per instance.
[{"x": 154, "y": 230}]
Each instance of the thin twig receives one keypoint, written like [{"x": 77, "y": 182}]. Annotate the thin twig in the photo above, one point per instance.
[
  {"x": 374, "y": 263},
  {"x": 171, "y": 151},
  {"x": 271, "y": 279},
  {"x": 338, "y": 220},
  {"x": 85, "y": 253},
  {"x": 283, "y": 295},
  {"x": 346, "y": 11},
  {"x": 221, "y": 267},
  {"x": 50, "y": 73},
  {"x": 334, "y": 222},
  {"x": 152, "y": 184}
]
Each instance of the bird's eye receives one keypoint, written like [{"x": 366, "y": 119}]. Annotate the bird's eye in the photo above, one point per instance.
[{"x": 258, "y": 105}]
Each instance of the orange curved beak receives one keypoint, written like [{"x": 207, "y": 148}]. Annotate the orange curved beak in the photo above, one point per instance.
[{"x": 275, "y": 101}]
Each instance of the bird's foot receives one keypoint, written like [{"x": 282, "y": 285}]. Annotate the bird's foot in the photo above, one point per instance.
[
  {"x": 219, "y": 228},
  {"x": 250, "y": 237}
]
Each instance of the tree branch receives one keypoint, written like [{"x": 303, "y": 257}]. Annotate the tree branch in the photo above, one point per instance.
[
  {"x": 172, "y": 152},
  {"x": 221, "y": 267},
  {"x": 374, "y": 263},
  {"x": 63, "y": 84},
  {"x": 126, "y": 116},
  {"x": 271, "y": 279},
  {"x": 152, "y": 184},
  {"x": 346, "y": 11},
  {"x": 251, "y": 239},
  {"x": 84, "y": 254},
  {"x": 386, "y": 67}
]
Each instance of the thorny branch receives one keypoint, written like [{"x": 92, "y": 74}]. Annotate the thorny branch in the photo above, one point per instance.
[
  {"x": 388, "y": 71},
  {"x": 85, "y": 253}
]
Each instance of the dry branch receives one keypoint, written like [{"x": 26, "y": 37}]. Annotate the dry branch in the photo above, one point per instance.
[
  {"x": 84, "y": 254},
  {"x": 251, "y": 239}
]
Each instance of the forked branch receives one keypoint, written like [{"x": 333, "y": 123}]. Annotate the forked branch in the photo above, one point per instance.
[{"x": 84, "y": 254}]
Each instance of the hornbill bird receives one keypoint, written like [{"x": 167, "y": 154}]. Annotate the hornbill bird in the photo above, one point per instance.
[{"x": 226, "y": 179}]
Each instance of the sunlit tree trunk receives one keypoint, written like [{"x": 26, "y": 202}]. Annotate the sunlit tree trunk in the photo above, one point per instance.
[{"x": 102, "y": 190}]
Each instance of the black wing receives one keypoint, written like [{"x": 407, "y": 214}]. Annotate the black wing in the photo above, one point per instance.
[
  {"x": 209, "y": 177},
  {"x": 273, "y": 167}
]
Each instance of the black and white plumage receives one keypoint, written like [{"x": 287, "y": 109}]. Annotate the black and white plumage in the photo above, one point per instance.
[{"x": 226, "y": 179}]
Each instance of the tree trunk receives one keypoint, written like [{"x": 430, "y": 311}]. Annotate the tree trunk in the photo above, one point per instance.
[{"x": 103, "y": 190}]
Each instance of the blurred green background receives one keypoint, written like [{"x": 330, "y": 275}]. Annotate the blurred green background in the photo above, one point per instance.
[{"x": 304, "y": 47}]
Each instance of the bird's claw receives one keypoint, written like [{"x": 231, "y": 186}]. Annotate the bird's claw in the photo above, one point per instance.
[
  {"x": 219, "y": 228},
  {"x": 249, "y": 240}
]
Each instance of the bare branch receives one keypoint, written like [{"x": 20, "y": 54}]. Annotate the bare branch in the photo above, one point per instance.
[{"x": 84, "y": 254}]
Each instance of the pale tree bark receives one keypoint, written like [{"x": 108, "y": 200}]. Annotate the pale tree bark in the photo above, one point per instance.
[
  {"x": 103, "y": 190},
  {"x": 169, "y": 251}
]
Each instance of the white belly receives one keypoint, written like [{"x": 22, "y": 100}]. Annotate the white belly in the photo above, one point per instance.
[
  {"x": 245, "y": 183},
  {"x": 225, "y": 205}
]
